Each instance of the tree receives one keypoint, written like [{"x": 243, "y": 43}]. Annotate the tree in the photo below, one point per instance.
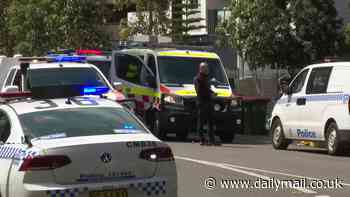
[
  {"x": 283, "y": 33},
  {"x": 41, "y": 25},
  {"x": 152, "y": 16},
  {"x": 5, "y": 41},
  {"x": 318, "y": 28},
  {"x": 184, "y": 19}
]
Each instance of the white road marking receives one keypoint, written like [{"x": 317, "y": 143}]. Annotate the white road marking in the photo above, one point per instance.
[
  {"x": 274, "y": 172},
  {"x": 223, "y": 166},
  {"x": 322, "y": 196}
]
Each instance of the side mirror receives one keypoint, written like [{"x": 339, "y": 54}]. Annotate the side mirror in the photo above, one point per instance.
[
  {"x": 11, "y": 89},
  {"x": 118, "y": 86}
]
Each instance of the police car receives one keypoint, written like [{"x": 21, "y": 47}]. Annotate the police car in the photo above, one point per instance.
[
  {"x": 79, "y": 146},
  {"x": 34, "y": 72},
  {"x": 315, "y": 107}
]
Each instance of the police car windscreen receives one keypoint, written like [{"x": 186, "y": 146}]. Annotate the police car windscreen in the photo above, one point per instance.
[
  {"x": 65, "y": 76},
  {"x": 74, "y": 122},
  {"x": 182, "y": 70}
]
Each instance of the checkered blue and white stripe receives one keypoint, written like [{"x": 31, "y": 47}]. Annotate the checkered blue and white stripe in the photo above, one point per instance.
[
  {"x": 74, "y": 192},
  {"x": 154, "y": 188},
  {"x": 7, "y": 152},
  {"x": 151, "y": 188}
]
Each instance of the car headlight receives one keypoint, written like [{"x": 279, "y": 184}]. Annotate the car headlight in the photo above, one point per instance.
[
  {"x": 173, "y": 99},
  {"x": 217, "y": 107}
]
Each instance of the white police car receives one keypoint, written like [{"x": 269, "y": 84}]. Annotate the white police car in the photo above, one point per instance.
[
  {"x": 315, "y": 107},
  {"x": 81, "y": 146}
]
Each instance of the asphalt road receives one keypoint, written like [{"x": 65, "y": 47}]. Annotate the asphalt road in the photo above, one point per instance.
[{"x": 251, "y": 167}]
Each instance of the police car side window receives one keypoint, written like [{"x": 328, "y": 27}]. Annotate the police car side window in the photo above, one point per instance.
[
  {"x": 299, "y": 81},
  {"x": 318, "y": 80},
  {"x": 128, "y": 68},
  {"x": 10, "y": 77},
  {"x": 5, "y": 127}
]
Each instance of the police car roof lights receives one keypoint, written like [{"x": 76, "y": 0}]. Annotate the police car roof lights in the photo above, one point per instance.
[{"x": 64, "y": 58}]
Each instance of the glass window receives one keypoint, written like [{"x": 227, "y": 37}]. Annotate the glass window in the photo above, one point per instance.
[
  {"x": 104, "y": 67},
  {"x": 182, "y": 70},
  {"x": 5, "y": 127},
  {"x": 74, "y": 122},
  {"x": 17, "y": 80},
  {"x": 129, "y": 68},
  {"x": 65, "y": 76},
  {"x": 318, "y": 80},
  {"x": 9, "y": 79},
  {"x": 298, "y": 82}
]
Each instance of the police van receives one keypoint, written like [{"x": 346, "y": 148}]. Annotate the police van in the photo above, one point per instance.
[
  {"x": 315, "y": 107},
  {"x": 161, "y": 81}
]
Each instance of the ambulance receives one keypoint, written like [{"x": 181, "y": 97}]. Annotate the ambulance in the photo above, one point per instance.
[{"x": 161, "y": 81}]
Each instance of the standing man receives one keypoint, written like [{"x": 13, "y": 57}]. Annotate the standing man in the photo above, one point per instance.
[{"x": 204, "y": 101}]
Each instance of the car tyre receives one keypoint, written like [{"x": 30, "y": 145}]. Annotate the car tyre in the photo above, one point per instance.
[
  {"x": 278, "y": 139},
  {"x": 334, "y": 145}
]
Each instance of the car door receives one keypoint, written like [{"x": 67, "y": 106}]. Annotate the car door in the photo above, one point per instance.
[
  {"x": 139, "y": 82},
  {"x": 288, "y": 103},
  {"x": 7, "y": 151},
  {"x": 313, "y": 103}
]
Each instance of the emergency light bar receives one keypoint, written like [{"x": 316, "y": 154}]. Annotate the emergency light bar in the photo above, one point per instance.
[
  {"x": 89, "y": 52},
  {"x": 63, "y": 58},
  {"x": 92, "y": 90}
]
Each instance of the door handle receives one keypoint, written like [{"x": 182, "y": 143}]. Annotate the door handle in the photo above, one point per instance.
[{"x": 301, "y": 101}]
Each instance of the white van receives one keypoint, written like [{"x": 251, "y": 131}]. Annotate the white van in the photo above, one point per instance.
[{"x": 315, "y": 107}]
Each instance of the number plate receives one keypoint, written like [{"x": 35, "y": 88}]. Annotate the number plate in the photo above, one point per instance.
[{"x": 110, "y": 193}]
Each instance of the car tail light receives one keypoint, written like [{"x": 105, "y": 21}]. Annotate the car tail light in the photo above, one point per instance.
[
  {"x": 157, "y": 154},
  {"x": 48, "y": 162}
]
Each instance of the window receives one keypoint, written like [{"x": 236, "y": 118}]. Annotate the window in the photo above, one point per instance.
[
  {"x": 5, "y": 127},
  {"x": 318, "y": 80},
  {"x": 128, "y": 68},
  {"x": 17, "y": 80},
  {"x": 65, "y": 76},
  {"x": 299, "y": 81},
  {"x": 194, "y": 4},
  {"x": 104, "y": 67},
  {"x": 73, "y": 122},
  {"x": 10, "y": 78},
  {"x": 182, "y": 70}
]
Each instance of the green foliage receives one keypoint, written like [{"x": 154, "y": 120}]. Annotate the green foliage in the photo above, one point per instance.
[
  {"x": 283, "y": 33},
  {"x": 184, "y": 19},
  {"x": 41, "y": 25},
  {"x": 5, "y": 40},
  {"x": 318, "y": 27}
]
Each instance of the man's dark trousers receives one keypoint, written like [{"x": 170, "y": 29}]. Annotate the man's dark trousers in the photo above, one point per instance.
[{"x": 206, "y": 116}]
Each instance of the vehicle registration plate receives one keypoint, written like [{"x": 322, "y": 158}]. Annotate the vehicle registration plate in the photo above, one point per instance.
[{"x": 110, "y": 193}]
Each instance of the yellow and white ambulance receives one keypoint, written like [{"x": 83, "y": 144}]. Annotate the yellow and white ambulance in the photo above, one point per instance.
[{"x": 161, "y": 81}]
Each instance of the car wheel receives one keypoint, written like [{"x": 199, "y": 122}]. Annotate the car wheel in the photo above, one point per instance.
[
  {"x": 334, "y": 146},
  {"x": 227, "y": 137},
  {"x": 156, "y": 128},
  {"x": 278, "y": 139}
]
